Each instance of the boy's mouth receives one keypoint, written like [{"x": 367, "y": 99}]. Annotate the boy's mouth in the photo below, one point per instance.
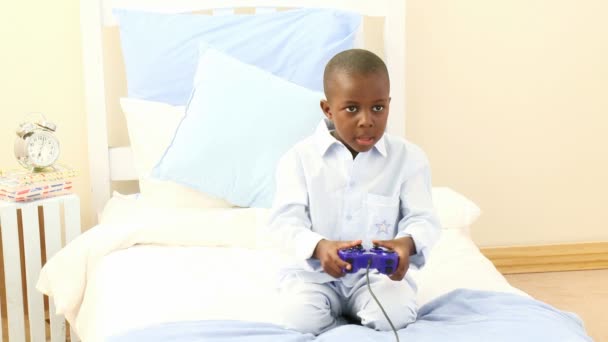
[{"x": 365, "y": 141}]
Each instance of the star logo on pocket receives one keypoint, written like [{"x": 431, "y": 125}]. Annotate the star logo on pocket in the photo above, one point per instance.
[{"x": 383, "y": 227}]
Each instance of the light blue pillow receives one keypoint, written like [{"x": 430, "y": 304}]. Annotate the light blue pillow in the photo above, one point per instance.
[
  {"x": 161, "y": 50},
  {"x": 239, "y": 122}
]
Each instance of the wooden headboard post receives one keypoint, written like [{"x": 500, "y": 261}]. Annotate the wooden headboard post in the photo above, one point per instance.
[{"x": 91, "y": 23}]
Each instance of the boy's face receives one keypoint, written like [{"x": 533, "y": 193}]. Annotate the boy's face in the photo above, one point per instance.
[{"x": 358, "y": 105}]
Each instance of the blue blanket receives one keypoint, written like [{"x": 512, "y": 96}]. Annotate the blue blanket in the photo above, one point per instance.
[{"x": 461, "y": 315}]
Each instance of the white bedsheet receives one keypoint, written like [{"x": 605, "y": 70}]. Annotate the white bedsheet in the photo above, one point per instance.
[
  {"x": 145, "y": 285},
  {"x": 67, "y": 275},
  {"x": 161, "y": 265}
]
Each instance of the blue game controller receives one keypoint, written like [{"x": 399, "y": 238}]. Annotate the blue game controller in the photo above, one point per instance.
[{"x": 382, "y": 259}]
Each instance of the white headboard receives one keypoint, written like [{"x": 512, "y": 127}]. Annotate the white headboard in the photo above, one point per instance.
[{"x": 115, "y": 164}]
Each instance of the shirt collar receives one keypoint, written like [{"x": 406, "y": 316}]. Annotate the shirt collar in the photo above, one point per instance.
[
  {"x": 380, "y": 146},
  {"x": 323, "y": 137},
  {"x": 325, "y": 140}
]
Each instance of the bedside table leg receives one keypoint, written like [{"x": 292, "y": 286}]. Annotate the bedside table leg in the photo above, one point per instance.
[
  {"x": 12, "y": 272},
  {"x": 72, "y": 218},
  {"x": 72, "y": 230},
  {"x": 33, "y": 260}
]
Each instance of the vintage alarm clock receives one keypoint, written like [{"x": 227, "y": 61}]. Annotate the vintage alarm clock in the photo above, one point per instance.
[{"x": 36, "y": 146}]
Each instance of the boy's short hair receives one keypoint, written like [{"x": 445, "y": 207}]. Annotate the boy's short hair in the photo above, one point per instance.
[{"x": 353, "y": 61}]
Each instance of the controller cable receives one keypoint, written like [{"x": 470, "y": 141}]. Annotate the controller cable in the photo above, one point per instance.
[{"x": 369, "y": 263}]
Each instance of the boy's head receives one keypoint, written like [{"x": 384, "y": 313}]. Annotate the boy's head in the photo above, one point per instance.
[{"x": 357, "y": 89}]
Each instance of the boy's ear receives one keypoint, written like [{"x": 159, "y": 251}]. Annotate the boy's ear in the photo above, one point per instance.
[{"x": 325, "y": 108}]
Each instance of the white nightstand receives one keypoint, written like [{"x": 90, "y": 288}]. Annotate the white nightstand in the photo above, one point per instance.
[{"x": 30, "y": 230}]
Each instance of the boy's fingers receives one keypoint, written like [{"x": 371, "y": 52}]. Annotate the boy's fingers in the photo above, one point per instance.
[
  {"x": 399, "y": 273},
  {"x": 396, "y": 277},
  {"x": 336, "y": 271},
  {"x": 342, "y": 264},
  {"x": 383, "y": 243},
  {"x": 349, "y": 244},
  {"x": 331, "y": 270}
]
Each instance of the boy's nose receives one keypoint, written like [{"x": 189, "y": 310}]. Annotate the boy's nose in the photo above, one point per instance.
[{"x": 366, "y": 119}]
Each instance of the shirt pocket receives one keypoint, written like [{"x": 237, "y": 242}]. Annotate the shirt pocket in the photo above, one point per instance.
[{"x": 382, "y": 216}]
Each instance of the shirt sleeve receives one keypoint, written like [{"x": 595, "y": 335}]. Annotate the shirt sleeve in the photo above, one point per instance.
[
  {"x": 419, "y": 220},
  {"x": 289, "y": 224}
]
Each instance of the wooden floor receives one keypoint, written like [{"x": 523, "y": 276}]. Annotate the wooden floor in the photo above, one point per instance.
[{"x": 582, "y": 292}]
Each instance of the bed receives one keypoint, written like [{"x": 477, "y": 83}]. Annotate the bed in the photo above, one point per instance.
[{"x": 168, "y": 263}]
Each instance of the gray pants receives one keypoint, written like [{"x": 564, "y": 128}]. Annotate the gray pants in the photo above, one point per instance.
[{"x": 315, "y": 308}]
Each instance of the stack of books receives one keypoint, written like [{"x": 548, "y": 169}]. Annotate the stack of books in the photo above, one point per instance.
[{"x": 23, "y": 185}]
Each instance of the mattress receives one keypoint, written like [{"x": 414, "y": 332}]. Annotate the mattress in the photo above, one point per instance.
[
  {"x": 144, "y": 266},
  {"x": 147, "y": 285}
]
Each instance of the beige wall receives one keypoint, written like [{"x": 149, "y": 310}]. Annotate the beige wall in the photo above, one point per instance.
[
  {"x": 507, "y": 98},
  {"x": 510, "y": 101},
  {"x": 40, "y": 71}
]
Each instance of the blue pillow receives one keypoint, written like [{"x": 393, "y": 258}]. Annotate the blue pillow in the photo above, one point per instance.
[
  {"x": 160, "y": 50},
  {"x": 239, "y": 122}
]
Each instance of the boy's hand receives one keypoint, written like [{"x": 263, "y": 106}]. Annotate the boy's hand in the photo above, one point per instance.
[
  {"x": 327, "y": 252},
  {"x": 404, "y": 247}
]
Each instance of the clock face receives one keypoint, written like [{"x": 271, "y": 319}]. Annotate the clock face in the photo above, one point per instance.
[{"x": 42, "y": 149}]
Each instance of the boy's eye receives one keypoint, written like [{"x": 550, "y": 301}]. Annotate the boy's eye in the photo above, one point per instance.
[
  {"x": 351, "y": 109},
  {"x": 377, "y": 108}
]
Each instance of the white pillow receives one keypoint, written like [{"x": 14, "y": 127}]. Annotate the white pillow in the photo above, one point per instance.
[
  {"x": 212, "y": 227},
  {"x": 454, "y": 210},
  {"x": 151, "y": 127},
  {"x": 241, "y": 126}
]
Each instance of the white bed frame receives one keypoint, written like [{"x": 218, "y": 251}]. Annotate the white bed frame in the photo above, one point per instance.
[{"x": 109, "y": 164}]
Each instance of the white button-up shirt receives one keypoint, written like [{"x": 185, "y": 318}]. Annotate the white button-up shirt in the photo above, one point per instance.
[{"x": 323, "y": 193}]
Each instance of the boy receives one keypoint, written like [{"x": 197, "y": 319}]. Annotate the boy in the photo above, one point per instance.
[{"x": 350, "y": 183}]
